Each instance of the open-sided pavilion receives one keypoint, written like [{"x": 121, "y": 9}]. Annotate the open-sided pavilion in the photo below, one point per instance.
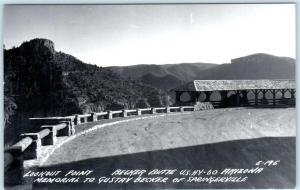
[{"x": 230, "y": 93}]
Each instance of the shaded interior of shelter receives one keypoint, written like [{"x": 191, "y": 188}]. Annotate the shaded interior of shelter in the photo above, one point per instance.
[
  {"x": 246, "y": 98},
  {"x": 230, "y": 154}
]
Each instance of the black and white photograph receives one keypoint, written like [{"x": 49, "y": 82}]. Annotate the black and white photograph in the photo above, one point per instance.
[{"x": 149, "y": 96}]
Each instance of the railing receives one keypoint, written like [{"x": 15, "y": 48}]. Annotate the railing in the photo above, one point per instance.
[
  {"x": 48, "y": 129},
  {"x": 29, "y": 147},
  {"x": 92, "y": 117},
  {"x": 260, "y": 102}
]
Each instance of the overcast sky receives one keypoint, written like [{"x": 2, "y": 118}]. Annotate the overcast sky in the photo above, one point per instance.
[{"x": 109, "y": 35}]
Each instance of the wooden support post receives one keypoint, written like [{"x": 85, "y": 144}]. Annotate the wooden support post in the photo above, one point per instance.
[
  {"x": 245, "y": 98},
  {"x": 197, "y": 96},
  {"x": 223, "y": 94},
  {"x": 256, "y": 97},
  {"x": 237, "y": 95},
  {"x": 274, "y": 96},
  {"x": 282, "y": 93},
  {"x": 207, "y": 96},
  {"x": 264, "y": 97}
]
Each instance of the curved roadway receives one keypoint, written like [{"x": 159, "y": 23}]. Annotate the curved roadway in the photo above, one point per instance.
[{"x": 177, "y": 130}]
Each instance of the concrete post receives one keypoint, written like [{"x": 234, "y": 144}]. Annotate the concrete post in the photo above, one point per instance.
[
  {"x": 109, "y": 115},
  {"x": 34, "y": 149},
  {"x": 94, "y": 117},
  {"x": 153, "y": 110},
  {"x": 71, "y": 127},
  {"x": 139, "y": 112},
  {"x": 77, "y": 120},
  {"x": 67, "y": 131},
  {"x": 168, "y": 109},
  {"x": 85, "y": 119},
  {"x": 72, "y": 120},
  {"x": 14, "y": 169},
  {"x": 181, "y": 109},
  {"x": 51, "y": 138},
  {"x": 124, "y": 113}
]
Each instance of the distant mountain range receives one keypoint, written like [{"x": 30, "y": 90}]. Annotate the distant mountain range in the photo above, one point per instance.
[
  {"x": 256, "y": 66},
  {"x": 39, "y": 81},
  {"x": 163, "y": 76}
]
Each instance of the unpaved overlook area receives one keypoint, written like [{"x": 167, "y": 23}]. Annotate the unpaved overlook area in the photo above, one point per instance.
[{"x": 169, "y": 131}]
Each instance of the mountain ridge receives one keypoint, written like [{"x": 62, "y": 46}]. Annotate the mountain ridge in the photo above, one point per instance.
[{"x": 254, "y": 66}]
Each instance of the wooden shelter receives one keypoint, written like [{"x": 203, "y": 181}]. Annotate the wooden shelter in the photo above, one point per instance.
[{"x": 230, "y": 93}]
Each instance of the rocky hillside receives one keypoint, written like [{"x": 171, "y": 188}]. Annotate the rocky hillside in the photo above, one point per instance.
[{"x": 42, "y": 82}]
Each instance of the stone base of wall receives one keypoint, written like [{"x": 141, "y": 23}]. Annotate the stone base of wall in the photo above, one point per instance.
[{"x": 203, "y": 106}]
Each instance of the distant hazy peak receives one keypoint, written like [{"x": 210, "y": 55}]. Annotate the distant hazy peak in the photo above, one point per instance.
[
  {"x": 260, "y": 57},
  {"x": 39, "y": 43}
]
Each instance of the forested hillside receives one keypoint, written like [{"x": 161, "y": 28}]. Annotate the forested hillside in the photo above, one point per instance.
[{"x": 41, "y": 82}]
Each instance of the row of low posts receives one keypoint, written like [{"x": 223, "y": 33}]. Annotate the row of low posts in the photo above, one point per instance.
[
  {"x": 29, "y": 148},
  {"x": 79, "y": 119},
  {"x": 48, "y": 129}
]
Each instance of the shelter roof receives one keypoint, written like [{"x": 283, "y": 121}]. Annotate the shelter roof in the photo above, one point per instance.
[{"x": 218, "y": 85}]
